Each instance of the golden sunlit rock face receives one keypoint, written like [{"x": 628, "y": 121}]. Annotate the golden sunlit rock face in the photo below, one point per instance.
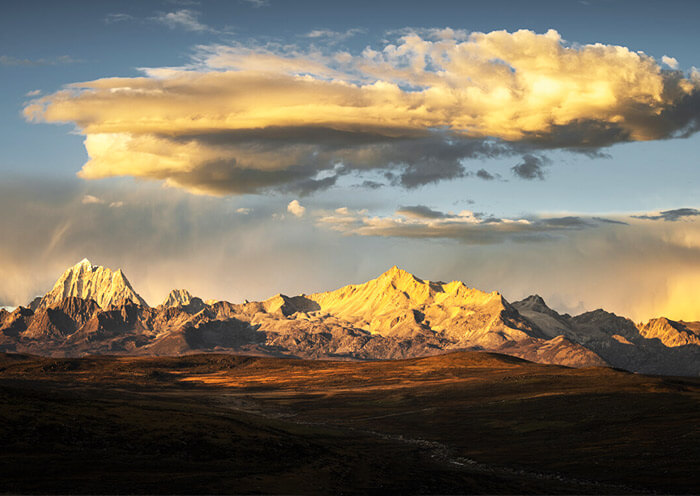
[
  {"x": 671, "y": 333},
  {"x": 241, "y": 120},
  {"x": 92, "y": 282},
  {"x": 177, "y": 297},
  {"x": 395, "y": 315},
  {"x": 399, "y": 304}
]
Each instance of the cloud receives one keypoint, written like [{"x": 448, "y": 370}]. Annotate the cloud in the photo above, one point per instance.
[
  {"x": 530, "y": 167},
  {"x": 330, "y": 36},
  {"x": 420, "y": 212},
  {"x": 484, "y": 174},
  {"x": 467, "y": 227},
  {"x": 369, "y": 184},
  {"x": 295, "y": 208},
  {"x": 258, "y": 3},
  {"x": 33, "y": 93},
  {"x": 91, "y": 200},
  {"x": 117, "y": 17},
  {"x": 670, "y": 215},
  {"x": 610, "y": 221},
  {"x": 13, "y": 61},
  {"x": 94, "y": 200},
  {"x": 241, "y": 119},
  {"x": 243, "y": 210},
  {"x": 182, "y": 19},
  {"x": 670, "y": 61}
]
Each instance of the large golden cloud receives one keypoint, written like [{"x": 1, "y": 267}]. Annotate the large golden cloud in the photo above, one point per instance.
[{"x": 242, "y": 120}]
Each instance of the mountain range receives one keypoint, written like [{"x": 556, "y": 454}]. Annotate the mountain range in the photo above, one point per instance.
[{"x": 94, "y": 310}]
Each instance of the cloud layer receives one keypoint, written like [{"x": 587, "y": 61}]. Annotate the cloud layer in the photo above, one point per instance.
[
  {"x": 671, "y": 215},
  {"x": 242, "y": 120},
  {"x": 420, "y": 221}
]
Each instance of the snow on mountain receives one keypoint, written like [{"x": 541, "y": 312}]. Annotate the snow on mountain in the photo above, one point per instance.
[
  {"x": 92, "y": 309},
  {"x": 92, "y": 282}
]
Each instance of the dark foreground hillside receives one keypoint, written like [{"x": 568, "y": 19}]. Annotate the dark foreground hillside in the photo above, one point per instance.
[{"x": 458, "y": 423}]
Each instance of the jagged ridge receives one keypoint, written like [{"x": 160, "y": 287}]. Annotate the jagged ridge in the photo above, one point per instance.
[
  {"x": 395, "y": 315},
  {"x": 92, "y": 282}
]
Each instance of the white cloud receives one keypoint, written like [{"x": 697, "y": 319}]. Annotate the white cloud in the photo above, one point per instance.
[
  {"x": 14, "y": 61},
  {"x": 33, "y": 93},
  {"x": 330, "y": 36},
  {"x": 670, "y": 61},
  {"x": 243, "y": 211},
  {"x": 258, "y": 3},
  {"x": 184, "y": 18},
  {"x": 296, "y": 209},
  {"x": 91, "y": 200},
  {"x": 95, "y": 200},
  {"x": 117, "y": 17}
]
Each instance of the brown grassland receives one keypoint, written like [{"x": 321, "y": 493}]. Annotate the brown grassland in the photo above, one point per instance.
[{"x": 465, "y": 422}]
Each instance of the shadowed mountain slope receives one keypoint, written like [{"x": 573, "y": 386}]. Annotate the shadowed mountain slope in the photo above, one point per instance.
[
  {"x": 396, "y": 315},
  {"x": 657, "y": 347}
]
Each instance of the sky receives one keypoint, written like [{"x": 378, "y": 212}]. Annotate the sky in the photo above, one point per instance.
[{"x": 244, "y": 148}]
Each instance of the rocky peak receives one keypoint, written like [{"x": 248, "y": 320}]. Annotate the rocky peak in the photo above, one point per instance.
[
  {"x": 34, "y": 304},
  {"x": 535, "y": 303},
  {"x": 87, "y": 281},
  {"x": 183, "y": 299},
  {"x": 396, "y": 279},
  {"x": 535, "y": 299},
  {"x": 178, "y": 297},
  {"x": 85, "y": 264},
  {"x": 669, "y": 332},
  {"x": 395, "y": 272},
  {"x": 396, "y": 275}
]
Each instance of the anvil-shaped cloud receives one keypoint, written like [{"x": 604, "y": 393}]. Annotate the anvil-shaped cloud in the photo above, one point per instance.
[{"x": 243, "y": 120}]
